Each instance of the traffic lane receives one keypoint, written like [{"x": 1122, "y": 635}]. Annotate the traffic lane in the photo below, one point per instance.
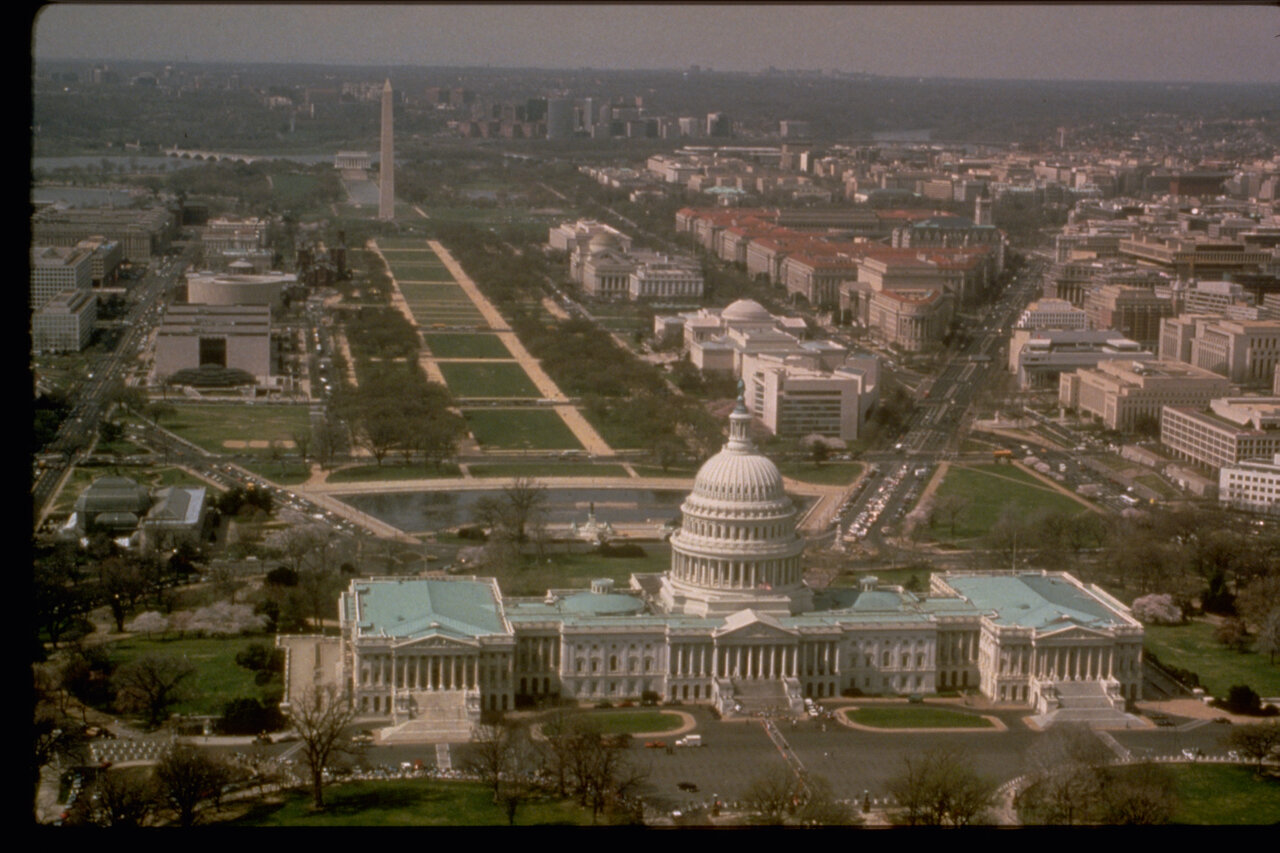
[
  {"x": 855, "y": 760},
  {"x": 735, "y": 753}
]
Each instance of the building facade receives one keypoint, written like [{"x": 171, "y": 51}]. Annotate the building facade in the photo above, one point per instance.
[
  {"x": 65, "y": 322},
  {"x": 1119, "y": 393},
  {"x": 731, "y": 624},
  {"x": 1226, "y": 432}
]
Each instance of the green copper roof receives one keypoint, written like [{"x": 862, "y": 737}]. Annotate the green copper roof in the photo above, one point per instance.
[
  {"x": 1032, "y": 600},
  {"x": 419, "y": 608}
]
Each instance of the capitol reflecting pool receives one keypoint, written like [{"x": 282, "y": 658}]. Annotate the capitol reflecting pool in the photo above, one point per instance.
[{"x": 428, "y": 512}]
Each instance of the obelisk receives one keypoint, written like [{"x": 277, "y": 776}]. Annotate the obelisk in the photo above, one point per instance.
[{"x": 387, "y": 166}]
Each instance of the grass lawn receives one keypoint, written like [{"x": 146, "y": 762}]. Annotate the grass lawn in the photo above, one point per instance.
[
  {"x": 673, "y": 471},
  {"x": 217, "y": 679},
  {"x": 286, "y": 472},
  {"x": 209, "y": 425},
  {"x": 411, "y": 802},
  {"x": 916, "y": 717},
  {"x": 467, "y": 346},
  {"x": 479, "y": 379},
  {"x": 546, "y": 469},
  {"x": 576, "y": 571},
  {"x": 513, "y": 429},
  {"x": 826, "y": 474},
  {"x": 291, "y": 190},
  {"x": 1192, "y": 647},
  {"x": 392, "y": 471},
  {"x": 123, "y": 447},
  {"x": 1115, "y": 463},
  {"x": 385, "y": 243},
  {"x": 989, "y": 488},
  {"x": 1224, "y": 795},
  {"x": 417, "y": 271},
  {"x": 636, "y": 722},
  {"x": 1157, "y": 484},
  {"x": 619, "y": 436}
]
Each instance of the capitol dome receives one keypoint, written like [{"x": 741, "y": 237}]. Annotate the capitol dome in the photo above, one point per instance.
[
  {"x": 746, "y": 311},
  {"x": 737, "y": 545}
]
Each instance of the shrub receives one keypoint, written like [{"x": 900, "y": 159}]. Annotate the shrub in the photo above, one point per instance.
[
  {"x": 248, "y": 716},
  {"x": 625, "y": 549},
  {"x": 1243, "y": 699}
]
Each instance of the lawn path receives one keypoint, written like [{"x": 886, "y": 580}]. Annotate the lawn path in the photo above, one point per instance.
[{"x": 582, "y": 430}]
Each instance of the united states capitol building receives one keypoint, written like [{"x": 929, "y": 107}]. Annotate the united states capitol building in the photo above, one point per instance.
[{"x": 731, "y": 624}]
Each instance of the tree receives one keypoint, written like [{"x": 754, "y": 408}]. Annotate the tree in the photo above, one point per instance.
[
  {"x": 1257, "y": 741},
  {"x": 949, "y": 508},
  {"x": 1066, "y": 787},
  {"x": 524, "y": 499},
  {"x": 502, "y": 756},
  {"x": 186, "y": 777},
  {"x": 1157, "y": 610},
  {"x": 1232, "y": 634},
  {"x": 120, "y": 798},
  {"x": 122, "y": 584},
  {"x": 151, "y": 622},
  {"x": 152, "y": 684},
  {"x": 1268, "y": 641},
  {"x": 320, "y": 714},
  {"x": 1242, "y": 699},
  {"x": 1138, "y": 795},
  {"x": 772, "y": 796},
  {"x": 819, "y": 806},
  {"x": 941, "y": 788},
  {"x": 595, "y": 767},
  {"x": 55, "y": 735}
]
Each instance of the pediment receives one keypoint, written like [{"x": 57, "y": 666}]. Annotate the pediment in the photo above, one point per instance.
[
  {"x": 1067, "y": 633},
  {"x": 435, "y": 642},
  {"x": 750, "y": 625}
]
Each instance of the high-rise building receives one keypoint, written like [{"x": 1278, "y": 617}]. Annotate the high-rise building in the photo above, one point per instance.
[{"x": 387, "y": 177}]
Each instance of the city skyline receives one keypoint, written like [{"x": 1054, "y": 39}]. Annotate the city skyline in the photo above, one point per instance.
[{"x": 1231, "y": 44}]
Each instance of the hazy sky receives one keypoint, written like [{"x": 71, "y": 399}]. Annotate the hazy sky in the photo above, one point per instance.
[{"x": 1211, "y": 43}]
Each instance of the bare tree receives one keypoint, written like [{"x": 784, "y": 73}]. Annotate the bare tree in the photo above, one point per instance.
[
  {"x": 1255, "y": 742},
  {"x": 320, "y": 716},
  {"x": 1066, "y": 785},
  {"x": 152, "y": 684},
  {"x": 771, "y": 796},
  {"x": 187, "y": 776},
  {"x": 524, "y": 499},
  {"x": 502, "y": 755},
  {"x": 948, "y": 508},
  {"x": 941, "y": 788},
  {"x": 124, "y": 799}
]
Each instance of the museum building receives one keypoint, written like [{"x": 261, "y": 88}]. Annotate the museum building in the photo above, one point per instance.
[{"x": 731, "y": 623}]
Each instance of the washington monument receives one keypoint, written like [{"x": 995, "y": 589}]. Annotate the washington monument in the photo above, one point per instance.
[{"x": 387, "y": 166}]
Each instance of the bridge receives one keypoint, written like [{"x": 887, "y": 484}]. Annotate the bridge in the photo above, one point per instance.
[{"x": 215, "y": 156}]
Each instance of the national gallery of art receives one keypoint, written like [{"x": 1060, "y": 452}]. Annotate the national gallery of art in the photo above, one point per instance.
[{"x": 731, "y": 624}]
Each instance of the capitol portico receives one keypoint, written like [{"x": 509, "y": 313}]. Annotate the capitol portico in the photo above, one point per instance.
[{"x": 731, "y": 623}]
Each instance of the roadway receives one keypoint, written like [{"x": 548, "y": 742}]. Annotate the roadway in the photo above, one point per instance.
[{"x": 77, "y": 432}]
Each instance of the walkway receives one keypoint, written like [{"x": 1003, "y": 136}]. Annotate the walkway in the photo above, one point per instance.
[
  {"x": 582, "y": 430},
  {"x": 398, "y": 302}
]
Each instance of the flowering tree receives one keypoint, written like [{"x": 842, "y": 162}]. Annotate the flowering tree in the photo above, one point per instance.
[{"x": 1157, "y": 609}]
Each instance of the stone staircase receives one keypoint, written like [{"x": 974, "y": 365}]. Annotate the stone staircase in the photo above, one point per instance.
[
  {"x": 764, "y": 697},
  {"x": 439, "y": 716},
  {"x": 1092, "y": 703}
]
